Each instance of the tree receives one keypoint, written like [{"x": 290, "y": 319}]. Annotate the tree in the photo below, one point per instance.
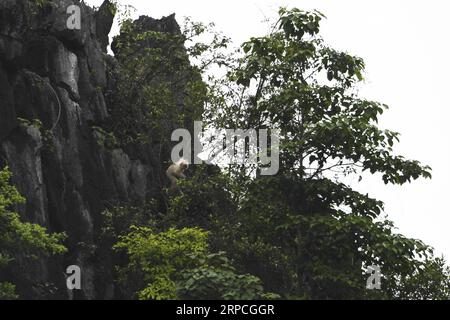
[
  {"x": 19, "y": 241},
  {"x": 177, "y": 264},
  {"x": 302, "y": 232}
]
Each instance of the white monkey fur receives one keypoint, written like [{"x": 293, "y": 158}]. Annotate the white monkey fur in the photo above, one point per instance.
[{"x": 175, "y": 172}]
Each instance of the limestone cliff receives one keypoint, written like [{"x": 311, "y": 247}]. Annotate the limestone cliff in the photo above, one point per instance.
[{"x": 58, "y": 76}]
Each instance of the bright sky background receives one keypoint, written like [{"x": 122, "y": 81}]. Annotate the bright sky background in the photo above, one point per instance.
[{"x": 405, "y": 45}]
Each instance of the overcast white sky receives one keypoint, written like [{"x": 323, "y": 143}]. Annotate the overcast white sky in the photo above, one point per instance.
[{"x": 405, "y": 45}]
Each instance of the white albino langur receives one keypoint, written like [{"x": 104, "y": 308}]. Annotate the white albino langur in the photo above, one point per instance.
[{"x": 175, "y": 172}]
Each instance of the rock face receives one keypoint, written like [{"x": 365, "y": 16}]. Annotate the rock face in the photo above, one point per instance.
[{"x": 57, "y": 75}]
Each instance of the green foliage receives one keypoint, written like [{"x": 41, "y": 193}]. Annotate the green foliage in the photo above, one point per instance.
[
  {"x": 291, "y": 80},
  {"x": 157, "y": 89},
  {"x": 204, "y": 199},
  {"x": 159, "y": 256},
  {"x": 113, "y": 6},
  {"x": 325, "y": 251},
  {"x": 105, "y": 139},
  {"x": 293, "y": 236},
  {"x": 47, "y": 135},
  {"x": 216, "y": 279},
  {"x": 20, "y": 239},
  {"x": 302, "y": 233},
  {"x": 37, "y": 7},
  {"x": 8, "y": 291},
  {"x": 41, "y": 3},
  {"x": 27, "y": 123},
  {"x": 430, "y": 280},
  {"x": 177, "y": 264}
]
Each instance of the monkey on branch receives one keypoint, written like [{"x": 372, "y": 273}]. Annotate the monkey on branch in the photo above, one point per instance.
[{"x": 175, "y": 172}]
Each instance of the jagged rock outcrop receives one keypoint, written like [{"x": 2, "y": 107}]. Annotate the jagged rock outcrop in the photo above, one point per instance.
[
  {"x": 104, "y": 18},
  {"x": 57, "y": 75}
]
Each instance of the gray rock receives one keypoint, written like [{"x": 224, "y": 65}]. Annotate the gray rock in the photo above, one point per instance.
[{"x": 59, "y": 76}]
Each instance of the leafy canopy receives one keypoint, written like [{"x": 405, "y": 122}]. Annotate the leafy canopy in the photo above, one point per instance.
[
  {"x": 177, "y": 264},
  {"x": 20, "y": 240},
  {"x": 302, "y": 233}
]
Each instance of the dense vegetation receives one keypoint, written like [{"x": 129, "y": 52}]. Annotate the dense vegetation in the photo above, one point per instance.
[
  {"x": 301, "y": 234},
  {"x": 231, "y": 233},
  {"x": 20, "y": 241}
]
